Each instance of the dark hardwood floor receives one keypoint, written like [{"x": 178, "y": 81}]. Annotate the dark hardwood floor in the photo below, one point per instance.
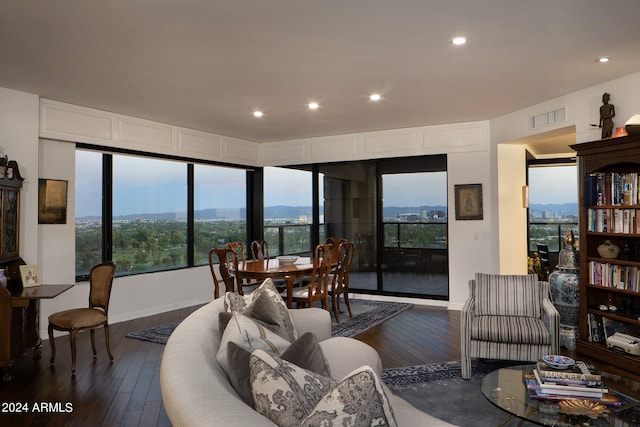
[{"x": 127, "y": 391}]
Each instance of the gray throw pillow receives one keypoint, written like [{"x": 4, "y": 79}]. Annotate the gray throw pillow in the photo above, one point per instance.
[
  {"x": 305, "y": 352},
  {"x": 266, "y": 305}
]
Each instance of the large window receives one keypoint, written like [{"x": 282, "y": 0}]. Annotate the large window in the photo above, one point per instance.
[
  {"x": 220, "y": 208},
  {"x": 149, "y": 226},
  {"x": 288, "y": 214},
  {"x": 88, "y": 210},
  {"x": 394, "y": 210},
  {"x": 553, "y": 204},
  {"x": 137, "y": 211}
]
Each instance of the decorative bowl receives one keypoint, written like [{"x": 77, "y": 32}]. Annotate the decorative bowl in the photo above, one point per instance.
[
  {"x": 287, "y": 259},
  {"x": 559, "y": 362},
  {"x": 608, "y": 250}
]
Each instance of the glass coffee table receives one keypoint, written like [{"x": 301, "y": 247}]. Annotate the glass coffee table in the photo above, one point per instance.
[{"x": 506, "y": 389}]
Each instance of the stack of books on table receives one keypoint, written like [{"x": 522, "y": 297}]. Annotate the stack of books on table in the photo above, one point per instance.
[{"x": 574, "y": 382}]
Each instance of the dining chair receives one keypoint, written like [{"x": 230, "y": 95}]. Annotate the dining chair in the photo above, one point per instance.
[
  {"x": 259, "y": 250},
  {"x": 335, "y": 255},
  {"x": 340, "y": 278},
  {"x": 238, "y": 250},
  {"x": 80, "y": 319},
  {"x": 317, "y": 289},
  {"x": 225, "y": 260},
  {"x": 543, "y": 251}
]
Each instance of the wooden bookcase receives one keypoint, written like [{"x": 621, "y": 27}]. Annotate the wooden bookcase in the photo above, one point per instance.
[{"x": 609, "y": 209}]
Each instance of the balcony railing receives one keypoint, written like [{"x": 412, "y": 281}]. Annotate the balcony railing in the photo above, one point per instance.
[
  {"x": 287, "y": 239},
  {"x": 550, "y": 233},
  {"x": 415, "y": 235}
]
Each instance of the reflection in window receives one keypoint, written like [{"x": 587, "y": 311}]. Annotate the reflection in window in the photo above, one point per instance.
[
  {"x": 149, "y": 214},
  {"x": 287, "y": 210},
  {"x": 88, "y": 210},
  {"x": 220, "y": 208}
]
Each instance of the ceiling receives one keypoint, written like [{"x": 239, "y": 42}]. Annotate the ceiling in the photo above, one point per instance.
[{"x": 208, "y": 64}]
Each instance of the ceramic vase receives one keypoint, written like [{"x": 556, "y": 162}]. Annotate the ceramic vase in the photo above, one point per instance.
[
  {"x": 3, "y": 278},
  {"x": 565, "y": 290}
]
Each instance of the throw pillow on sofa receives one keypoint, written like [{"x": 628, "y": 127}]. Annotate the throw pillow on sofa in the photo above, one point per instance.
[
  {"x": 249, "y": 335},
  {"x": 284, "y": 392},
  {"x": 304, "y": 352},
  {"x": 357, "y": 400},
  {"x": 266, "y": 305},
  {"x": 292, "y": 396}
]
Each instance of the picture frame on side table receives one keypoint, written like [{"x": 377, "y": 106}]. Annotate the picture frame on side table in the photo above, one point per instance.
[
  {"x": 29, "y": 275},
  {"x": 52, "y": 201},
  {"x": 468, "y": 199}
]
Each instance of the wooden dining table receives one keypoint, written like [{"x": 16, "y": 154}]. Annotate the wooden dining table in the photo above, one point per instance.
[{"x": 273, "y": 269}]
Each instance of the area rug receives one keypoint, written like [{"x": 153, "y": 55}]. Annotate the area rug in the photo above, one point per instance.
[
  {"x": 366, "y": 314},
  {"x": 439, "y": 390}
]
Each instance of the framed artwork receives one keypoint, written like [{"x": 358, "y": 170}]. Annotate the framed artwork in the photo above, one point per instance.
[
  {"x": 52, "y": 201},
  {"x": 468, "y": 201},
  {"x": 29, "y": 275}
]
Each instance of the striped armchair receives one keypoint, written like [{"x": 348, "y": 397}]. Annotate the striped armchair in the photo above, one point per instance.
[{"x": 508, "y": 317}]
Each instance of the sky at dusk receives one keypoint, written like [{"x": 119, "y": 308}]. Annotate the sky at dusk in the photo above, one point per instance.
[
  {"x": 553, "y": 185},
  {"x": 145, "y": 185}
]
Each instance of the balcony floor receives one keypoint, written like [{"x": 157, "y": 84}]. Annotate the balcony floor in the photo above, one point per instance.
[{"x": 410, "y": 282}]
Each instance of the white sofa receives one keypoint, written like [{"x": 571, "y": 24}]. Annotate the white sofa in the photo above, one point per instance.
[{"x": 197, "y": 392}]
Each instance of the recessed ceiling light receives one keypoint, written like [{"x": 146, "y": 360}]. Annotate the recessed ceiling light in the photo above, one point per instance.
[
  {"x": 258, "y": 114},
  {"x": 603, "y": 59},
  {"x": 313, "y": 106},
  {"x": 375, "y": 97},
  {"x": 458, "y": 41}
]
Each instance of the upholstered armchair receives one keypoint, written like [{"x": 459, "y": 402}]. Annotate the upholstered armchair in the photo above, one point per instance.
[{"x": 508, "y": 317}]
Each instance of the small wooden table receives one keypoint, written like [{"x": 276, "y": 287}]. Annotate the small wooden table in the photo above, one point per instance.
[{"x": 19, "y": 312}]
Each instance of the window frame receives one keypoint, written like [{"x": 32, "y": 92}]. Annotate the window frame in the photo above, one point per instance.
[
  {"x": 253, "y": 177},
  {"x": 533, "y": 162}
]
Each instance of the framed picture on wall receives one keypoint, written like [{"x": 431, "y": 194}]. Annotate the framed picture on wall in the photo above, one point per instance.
[
  {"x": 52, "y": 201},
  {"x": 468, "y": 198}
]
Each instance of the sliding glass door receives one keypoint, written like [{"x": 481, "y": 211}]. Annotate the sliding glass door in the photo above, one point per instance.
[
  {"x": 414, "y": 258},
  {"x": 395, "y": 211}
]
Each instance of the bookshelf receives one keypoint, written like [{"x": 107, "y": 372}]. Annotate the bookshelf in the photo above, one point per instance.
[{"x": 609, "y": 210}]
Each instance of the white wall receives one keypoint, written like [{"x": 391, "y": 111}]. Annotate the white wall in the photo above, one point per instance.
[{"x": 512, "y": 216}]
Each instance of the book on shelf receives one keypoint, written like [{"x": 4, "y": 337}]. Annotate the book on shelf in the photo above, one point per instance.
[
  {"x": 534, "y": 391},
  {"x": 596, "y": 328},
  {"x": 568, "y": 390}
]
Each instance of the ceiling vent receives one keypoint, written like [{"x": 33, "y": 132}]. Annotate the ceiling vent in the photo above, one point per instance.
[{"x": 547, "y": 119}]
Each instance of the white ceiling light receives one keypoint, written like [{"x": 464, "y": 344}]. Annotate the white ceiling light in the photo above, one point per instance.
[
  {"x": 375, "y": 97},
  {"x": 258, "y": 114},
  {"x": 313, "y": 106},
  {"x": 459, "y": 41},
  {"x": 604, "y": 59}
]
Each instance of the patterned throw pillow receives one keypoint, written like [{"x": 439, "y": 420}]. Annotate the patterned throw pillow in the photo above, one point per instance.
[
  {"x": 357, "y": 400},
  {"x": 284, "y": 392},
  {"x": 266, "y": 305},
  {"x": 249, "y": 335},
  {"x": 304, "y": 352},
  {"x": 291, "y": 396},
  {"x": 508, "y": 295}
]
